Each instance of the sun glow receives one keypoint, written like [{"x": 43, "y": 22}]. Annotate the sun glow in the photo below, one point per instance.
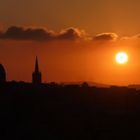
[{"x": 121, "y": 57}]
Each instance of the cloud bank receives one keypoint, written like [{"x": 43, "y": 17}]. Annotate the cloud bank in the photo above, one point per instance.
[
  {"x": 41, "y": 34},
  {"x": 70, "y": 34}
]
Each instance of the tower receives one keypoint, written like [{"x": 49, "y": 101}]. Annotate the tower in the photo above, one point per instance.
[
  {"x": 2, "y": 74},
  {"x": 36, "y": 76}
]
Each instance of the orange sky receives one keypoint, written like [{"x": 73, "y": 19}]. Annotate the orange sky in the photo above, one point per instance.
[
  {"x": 78, "y": 43},
  {"x": 95, "y": 16},
  {"x": 68, "y": 61}
]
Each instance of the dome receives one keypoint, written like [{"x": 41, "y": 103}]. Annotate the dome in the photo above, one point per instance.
[
  {"x": 2, "y": 74},
  {"x": 2, "y": 70}
]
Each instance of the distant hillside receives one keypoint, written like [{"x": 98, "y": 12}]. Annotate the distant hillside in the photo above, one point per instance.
[
  {"x": 134, "y": 86},
  {"x": 89, "y": 83}
]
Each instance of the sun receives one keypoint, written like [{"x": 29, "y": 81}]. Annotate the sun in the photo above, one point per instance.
[{"x": 121, "y": 58}]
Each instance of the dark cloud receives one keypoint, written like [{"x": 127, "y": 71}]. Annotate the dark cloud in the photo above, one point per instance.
[
  {"x": 1, "y": 34},
  {"x": 20, "y": 33},
  {"x": 41, "y": 34},
  {"x": 71, "y": 34},
  {"x": 106, "y": 37}
]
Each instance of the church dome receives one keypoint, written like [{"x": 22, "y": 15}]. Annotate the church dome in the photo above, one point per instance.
[{"x": 2, "y": 74}]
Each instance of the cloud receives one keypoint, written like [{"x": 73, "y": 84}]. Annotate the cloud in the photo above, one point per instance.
[
  {"x": 41, "y": 34},
  {"x": 136, "y": 36},
  {"x": 127, "y": 38},
  {"x": 72, "y": 34},
  {"x": 1, "y": 34},
  {"x": 20, "y": 33},
  {"x": 106, "y": 37}
]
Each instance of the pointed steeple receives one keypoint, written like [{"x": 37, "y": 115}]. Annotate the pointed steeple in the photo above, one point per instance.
[
  {"x": 36, "y": 76},
  {"x": 36, "y": 65}
]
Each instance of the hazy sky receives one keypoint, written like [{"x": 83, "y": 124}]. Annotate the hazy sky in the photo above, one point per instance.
[
  {"x": 95, "y": 16},
  {"x": 76, "y": 40}
]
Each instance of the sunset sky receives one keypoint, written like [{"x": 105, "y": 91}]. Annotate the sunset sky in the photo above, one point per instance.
[{"x": 75, "y": 40}]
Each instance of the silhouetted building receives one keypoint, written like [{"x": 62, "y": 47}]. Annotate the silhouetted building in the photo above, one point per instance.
[
  {"x": 2, "y": 74},
  {"x": 36, "y": 76}
]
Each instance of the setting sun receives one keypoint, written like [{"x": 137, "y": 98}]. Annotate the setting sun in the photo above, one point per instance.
[{"x": 121, "y": 57}]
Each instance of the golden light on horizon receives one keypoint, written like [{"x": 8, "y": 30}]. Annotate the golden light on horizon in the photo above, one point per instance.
[{"x": 121, "y": 58}]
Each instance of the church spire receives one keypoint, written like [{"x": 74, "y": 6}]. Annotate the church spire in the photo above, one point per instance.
[
  {"x": 36, "y": 76},
  {"x": 36, "y": 65}
]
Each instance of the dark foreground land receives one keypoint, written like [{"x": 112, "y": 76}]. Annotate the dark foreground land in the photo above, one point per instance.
[{"x": 72, "y": 112}]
